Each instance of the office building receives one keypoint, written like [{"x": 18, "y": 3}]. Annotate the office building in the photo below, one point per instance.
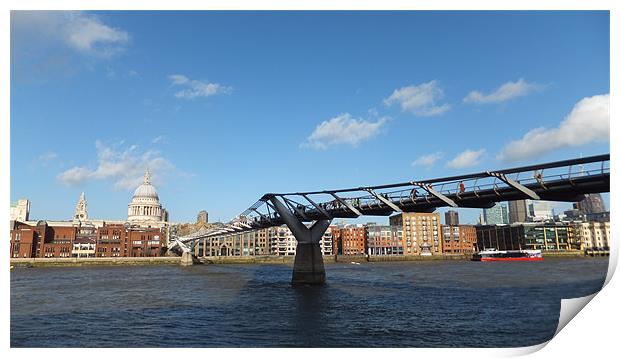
[
  {"x": 539, "y": 210},
  {"x": 496, "y": 215},
  {"x": 592, "y": 204},
  {"x": 517, "y": 211}
]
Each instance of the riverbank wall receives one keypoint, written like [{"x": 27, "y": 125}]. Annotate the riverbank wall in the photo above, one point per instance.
[
  {"x": 253, "y": 260},
  {"x": 287, "y": 260},
  {"x": 95, "y": 261}
]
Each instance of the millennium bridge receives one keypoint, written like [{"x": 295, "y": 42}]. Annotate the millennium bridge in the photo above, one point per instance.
[{"x": 566, "y": 180}]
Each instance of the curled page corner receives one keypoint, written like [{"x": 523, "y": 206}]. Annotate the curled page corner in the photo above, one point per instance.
[
  {"x": 569, "y": 309},
  {"x": 612, "y": 263},
  {"x": 522, "y": 351}
]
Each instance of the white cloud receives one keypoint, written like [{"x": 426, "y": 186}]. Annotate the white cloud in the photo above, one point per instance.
[
  {"x": 427, "y": 160},
  {"x": 587, "y": 122},
  {"x": 125, "y": 168},
  {"x": 75, "y": 176},
  {"x": 195, "y": 88},
  {"x": 158, "y": 139},
  {"x": 505, "y": 92},
  {"x": 467, "y": 158},
  {"x": 420, "y": 100},
  {"x": 81, "y": 31},
  {"x": 178, "y": 79},
  {"x": 343, "y": 129},
  {"x": 47, "y": 157}
]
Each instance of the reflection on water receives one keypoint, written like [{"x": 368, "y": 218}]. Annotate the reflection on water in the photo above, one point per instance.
[{"x": 398, "y": 304}]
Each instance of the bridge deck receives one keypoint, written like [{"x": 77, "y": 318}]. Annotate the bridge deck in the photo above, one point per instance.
[{"x": 566, "y": 180}]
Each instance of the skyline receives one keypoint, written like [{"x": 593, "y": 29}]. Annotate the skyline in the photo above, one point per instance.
[{"x": 364, "y": 86}]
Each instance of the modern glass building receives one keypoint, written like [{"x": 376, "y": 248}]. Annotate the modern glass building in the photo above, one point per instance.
[{"x": 496, "y": 215}]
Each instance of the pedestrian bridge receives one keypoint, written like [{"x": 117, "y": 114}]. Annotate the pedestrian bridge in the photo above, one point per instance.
[{"x": 566, "y": 180}]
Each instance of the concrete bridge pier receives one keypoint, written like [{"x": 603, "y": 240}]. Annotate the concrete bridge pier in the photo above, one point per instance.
[
  {"x": 308, "y": 268},
  {"x": 187, "y": 259}
]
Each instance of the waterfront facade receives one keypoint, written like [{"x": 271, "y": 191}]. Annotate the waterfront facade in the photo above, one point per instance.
[
  {"x": 380, "y": 241},
  {"x": 545, "y": 236},
  {"x": 353, "y": 239},
  {"x": 420, "y": 233},
  {"x": 459, "y": 239},
  {"x": 552, "y": 236},
  {"x": 593, "y": 236},
  {"x": 144, "y": 234},
  {"x": 275, "y": 241},
  {"x": 500, "y": 237},
  {"x": 63, "y": 240}
]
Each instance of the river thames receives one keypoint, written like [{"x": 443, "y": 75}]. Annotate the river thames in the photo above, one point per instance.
[{"x": 395, "y": 304}]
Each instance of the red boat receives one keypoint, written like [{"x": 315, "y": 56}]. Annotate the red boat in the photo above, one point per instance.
[{"x": 508, "y": 255}]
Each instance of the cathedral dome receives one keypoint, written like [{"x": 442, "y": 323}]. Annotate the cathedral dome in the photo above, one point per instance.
[
  {"x": 144, "y": 206},
  {"x": 146, "y": 191}
]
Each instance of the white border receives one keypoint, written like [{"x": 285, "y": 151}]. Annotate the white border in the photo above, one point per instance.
[{"x": 591, "y": 333}]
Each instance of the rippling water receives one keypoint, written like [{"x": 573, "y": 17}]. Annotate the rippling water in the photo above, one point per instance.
[{"x": 397, "y": 304}]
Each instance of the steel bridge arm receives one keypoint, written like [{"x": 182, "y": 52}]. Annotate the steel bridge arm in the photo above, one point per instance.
[
  {"x": 345, "y": 203},
  {"x": 318, "y": 207},
  {"x": 384, "y": 200},
  {"x": 436, "y": 194},
  {"x": 299, "y": 212},
  {"x": 515, "y": 184}
]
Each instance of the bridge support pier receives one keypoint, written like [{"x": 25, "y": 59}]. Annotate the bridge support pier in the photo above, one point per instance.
[
  {"x": 187, "y": 259},
  {"x": 308, "y": 268}
]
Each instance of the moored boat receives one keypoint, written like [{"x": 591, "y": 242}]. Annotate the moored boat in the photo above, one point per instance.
[{"x": 508, "y": 255}]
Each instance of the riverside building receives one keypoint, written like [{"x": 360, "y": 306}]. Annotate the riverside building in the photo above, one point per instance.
[
  {"x": 593, "y": 236},
  {"x": 275, "y": 241},
  {"x": 353, "y": 238},
  {"x": 420, "y": 233},
  {"x": 459, "y": 239},
  {"x": 545, "y": 236},
  {"x": 144, "y": 233},
  {"x": 381, "y": 242}
]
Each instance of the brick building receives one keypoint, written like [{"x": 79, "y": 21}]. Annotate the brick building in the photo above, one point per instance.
[
  {"x": 459, "y": 239},
  {"x": 336, "y": 239},
  {"x": 111, "y": 241},
  {"x": 419, "y": 232},
  {"x": 62, "y": 239},
  {"x": 42, "y": 240},
  {"x": 144, "y": 242},
  {"x": 353, "y": 239},
  {"x": 23, "y": 240},
  {"x": 380, "y": 241}
]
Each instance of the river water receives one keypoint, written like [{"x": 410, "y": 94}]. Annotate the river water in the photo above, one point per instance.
[{"x": 395, "y": 304}]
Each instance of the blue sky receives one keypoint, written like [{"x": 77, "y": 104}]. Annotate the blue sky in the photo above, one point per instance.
[{"x": 225, "y": 106}]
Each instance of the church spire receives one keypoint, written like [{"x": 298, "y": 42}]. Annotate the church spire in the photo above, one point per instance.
[
  {"x": 147, "y": 176},
  {"x": 81, "y": 209}
]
